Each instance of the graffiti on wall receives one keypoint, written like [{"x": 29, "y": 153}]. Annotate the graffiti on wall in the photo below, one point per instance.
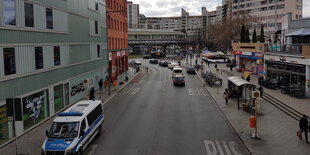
[
  {"x": 77, "y": 88},
  {"x": 33, "y": 106}
]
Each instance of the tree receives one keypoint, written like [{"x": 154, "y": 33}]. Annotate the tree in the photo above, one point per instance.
[
  {"x": 262, "y": 36},
  {"x": 254, "y": 38},
  {"x": 247, "y": 36},
  {"x": 243, "y": 34}
]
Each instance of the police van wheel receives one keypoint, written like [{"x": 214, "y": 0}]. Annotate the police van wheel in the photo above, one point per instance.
[
  {"x": 80, "y": 152},
  {"x": 99, "y": 131}
]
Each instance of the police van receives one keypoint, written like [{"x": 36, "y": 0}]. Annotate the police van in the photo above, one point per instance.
[{"x": 73, "y": 129}]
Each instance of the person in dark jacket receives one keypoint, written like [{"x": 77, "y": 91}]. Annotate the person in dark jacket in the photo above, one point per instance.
[
  {"x": 304, "y": 127},
  {"x": 248, "y": 78},
  {"x": 261, "y": 90}
]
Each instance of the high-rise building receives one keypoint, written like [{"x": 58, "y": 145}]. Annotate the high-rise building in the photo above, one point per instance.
[
  {"x": 51, "y": 54},
  {"x": 267, "y": 12},
  {"x": 133, "y": 15},
  {"x": 116, "y": 11}
]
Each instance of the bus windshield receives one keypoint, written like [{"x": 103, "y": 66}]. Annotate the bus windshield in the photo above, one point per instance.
[{"x": 64, "y": 130}]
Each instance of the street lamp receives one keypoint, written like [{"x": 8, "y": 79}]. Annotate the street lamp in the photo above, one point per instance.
[{"x": 108, "y": 53}]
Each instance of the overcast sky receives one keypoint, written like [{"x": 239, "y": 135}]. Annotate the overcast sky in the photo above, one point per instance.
[{"x": 169, "y": 8}]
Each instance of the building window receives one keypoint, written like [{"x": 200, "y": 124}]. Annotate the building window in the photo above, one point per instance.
[
  {"x": 9, "y": 12},
  {"x": 49, "y": 18},
  {"x": 39, "y": 57},
  {"x": 56, "y": 55},
  {"x": 29, "y": 21},
  {"x": 58, "y": 97},
  {"x": 9, "y": 61},
  {"x": 97, "y": 5},
  {"x": 96, "y": 27},
  {"x": 98, "y": 51}
]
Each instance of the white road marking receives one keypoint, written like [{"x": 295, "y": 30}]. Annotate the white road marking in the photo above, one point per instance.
[
  {"x": 215, "y": 147},
  {"x": 199, "y": 92},
  {"x": 129, "y": 91}
]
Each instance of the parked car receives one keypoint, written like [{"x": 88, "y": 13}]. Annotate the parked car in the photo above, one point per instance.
[
  {"x": 137, "y": 62},
  {"x": 190, "y": 70},
  {"x": 153, "y": 61},
  {"x": 172, "y": 65},
  {"x": 160, "y": 63},
  {"x": 179, "y": 80},
  {"x": 146, "y": 56},
  {"x": 165, "y": 64}
]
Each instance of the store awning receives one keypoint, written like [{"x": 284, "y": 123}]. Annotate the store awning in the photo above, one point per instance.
[
  {"x": 238, "y": 81},
  {"x": 299, "y": 32}
]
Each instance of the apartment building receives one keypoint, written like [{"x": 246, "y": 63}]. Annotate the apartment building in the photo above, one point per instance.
[
  {"x": 268, "y": 12},
  {"x": 133, "y": 15},
  {"x": 51, "y": 54},
  {"x": 116, "y": 11}
]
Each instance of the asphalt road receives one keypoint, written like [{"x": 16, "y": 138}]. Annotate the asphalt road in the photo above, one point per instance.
[{"x": 150, "y": 116}]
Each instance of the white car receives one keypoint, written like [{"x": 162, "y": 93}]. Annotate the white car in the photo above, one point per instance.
[
  {"x": 137, "y": 62},
  {"x": 177, "y": 71},
  {"x": 172, "y": 65}
]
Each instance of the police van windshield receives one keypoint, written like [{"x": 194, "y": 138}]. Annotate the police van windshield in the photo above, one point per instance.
[{"x": 64, "y": 130}]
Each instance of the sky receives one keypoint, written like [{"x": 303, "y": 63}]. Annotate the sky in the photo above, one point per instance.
[{"x": 172, "y": 8}]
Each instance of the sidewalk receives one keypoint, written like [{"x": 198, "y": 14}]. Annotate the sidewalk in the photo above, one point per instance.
[
  {"x": 276, "y": 129},
  {"x": 31, "y": 142}
]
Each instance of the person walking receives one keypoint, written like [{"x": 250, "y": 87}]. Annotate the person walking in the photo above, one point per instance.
[
  {"x": 248, "y": 78},
  {"x": 304, "y": 127},
  {"x": 100, "y": 83},
  {"x": 226, "y": 95},
  {"x": 231, "y": 67},
  {"x": 215, "y": 65},
  {"x": 105, "y": 84},
  {"x": 261, "y": 90}
]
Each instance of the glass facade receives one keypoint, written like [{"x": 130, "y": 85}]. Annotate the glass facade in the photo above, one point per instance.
[
  {"x": 58, "y": 97},
  {"x": 35, "y": 108}
]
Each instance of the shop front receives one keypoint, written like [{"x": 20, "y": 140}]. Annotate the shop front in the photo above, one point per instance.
[
  {"x": 291, "y": 76},
  {"x": 249, "y": 61}
]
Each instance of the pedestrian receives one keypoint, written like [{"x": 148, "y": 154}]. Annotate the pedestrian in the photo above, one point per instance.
[
  {"x": 106, "y": 82},
  {"x": 92, "y": 93},
  {"x": 231, "y": 67},
  {"x": 304, "y": 127},
  {"x": 208, "y": 63},
  {"x": 248, "y": 78},
  {"x": 226, "y": 95},
  {"x": 261, "y": 90},
  {"x": 196, "y": 61},
  {"x": 215, "y": 65},
  {"x": 100, "y": 83}
]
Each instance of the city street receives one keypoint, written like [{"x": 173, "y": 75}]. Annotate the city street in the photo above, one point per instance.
[{"x": 150, "y": 116}]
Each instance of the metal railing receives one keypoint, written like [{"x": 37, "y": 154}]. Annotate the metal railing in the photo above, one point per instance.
[{"x": 294, "y": 49}]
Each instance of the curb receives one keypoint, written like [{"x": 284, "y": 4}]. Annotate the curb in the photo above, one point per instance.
[{"x": 214, "y": 99}]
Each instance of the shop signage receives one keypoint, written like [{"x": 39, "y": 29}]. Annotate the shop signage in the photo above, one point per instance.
[
  {"x": 123, "y": 53},
  {"x": 237, "y": 53},
  {"x": 259, "y": 54},
  {"x": 246, "y": 53},
  {"x": 77, "y": 89},
  {"x": 118, "y": 53},
  {"x": 282, "y": 58}
]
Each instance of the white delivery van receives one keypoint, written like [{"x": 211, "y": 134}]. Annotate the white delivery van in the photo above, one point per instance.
[
  {"x": 73, "y": 129},
  {"x": 177, "y": 71}
]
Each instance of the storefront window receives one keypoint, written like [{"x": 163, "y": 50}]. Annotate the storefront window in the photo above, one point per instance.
[
  {"x": 58, "y": 97},
  {"x": 35, "y": 108},
  {"x": 4, "y": 132}
]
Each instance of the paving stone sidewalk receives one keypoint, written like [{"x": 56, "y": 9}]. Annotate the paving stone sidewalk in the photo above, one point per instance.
[{"x": 276, "y": 129}]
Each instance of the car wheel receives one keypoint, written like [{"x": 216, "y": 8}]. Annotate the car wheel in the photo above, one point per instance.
[
  {"x": 80, "y": 151},
  {"x": 99, "y": 131}
]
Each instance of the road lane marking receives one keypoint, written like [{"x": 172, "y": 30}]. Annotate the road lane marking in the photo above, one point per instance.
[
  {"x": 198, "y": 92},
  {"x": 129, "y": 91},
  {"x": 215, "y": 147}
]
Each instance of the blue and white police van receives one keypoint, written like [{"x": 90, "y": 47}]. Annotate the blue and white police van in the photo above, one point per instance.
[{"x": 73, "y": 129}]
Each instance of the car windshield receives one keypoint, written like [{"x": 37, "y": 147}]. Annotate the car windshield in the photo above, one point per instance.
[
  {"x": 64, "y": 130},
  {"x": 179, "y": 78},
  {"x": 177, "y": 71}
]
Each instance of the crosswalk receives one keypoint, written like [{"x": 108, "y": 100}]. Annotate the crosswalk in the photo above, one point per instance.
[
  {"x": 129, "y": 91},
  {"x": 217, "y": 147},
  {"x": 199, "y": 92}
]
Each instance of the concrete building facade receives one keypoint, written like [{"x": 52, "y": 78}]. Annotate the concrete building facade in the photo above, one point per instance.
[
  {"x": 51, "y": 54},
  {"x": 116, "y": 11},
  {"x": 133, "y": 15},
  {"x": 267, "y": 12}
]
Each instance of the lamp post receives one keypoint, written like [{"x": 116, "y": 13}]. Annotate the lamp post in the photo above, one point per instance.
[{"x": 108, "y": 52}]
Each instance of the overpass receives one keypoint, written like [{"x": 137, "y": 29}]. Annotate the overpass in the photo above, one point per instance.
[{"x": 140, "y": 39}]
